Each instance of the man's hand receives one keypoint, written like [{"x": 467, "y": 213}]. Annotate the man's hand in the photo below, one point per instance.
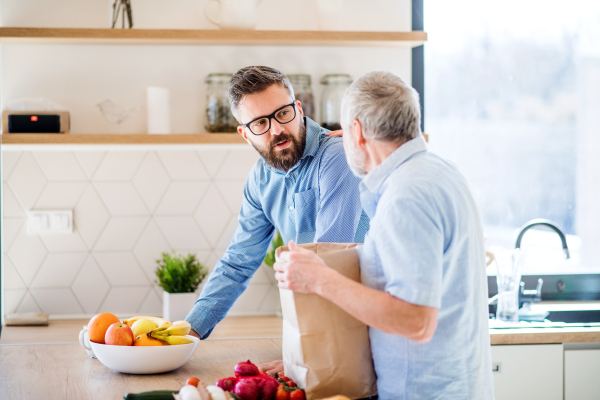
[
  {"x": 193, "y": 333},
  {"x": 301, "y": 270},
  {"x": 271, "y": 367},
  {"x": 336, "y": 133}
]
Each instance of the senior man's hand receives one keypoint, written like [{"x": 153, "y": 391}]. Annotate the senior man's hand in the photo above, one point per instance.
[{"x": 301, "y": 270}]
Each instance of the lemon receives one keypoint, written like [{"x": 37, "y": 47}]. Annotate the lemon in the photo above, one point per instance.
[{"x": 142, "y": 326}]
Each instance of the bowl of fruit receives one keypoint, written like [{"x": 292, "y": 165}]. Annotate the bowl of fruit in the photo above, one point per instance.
[{"x": 138, "y": 345}]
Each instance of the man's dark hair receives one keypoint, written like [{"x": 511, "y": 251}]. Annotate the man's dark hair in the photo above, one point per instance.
[{"x": 254, "y": 79}]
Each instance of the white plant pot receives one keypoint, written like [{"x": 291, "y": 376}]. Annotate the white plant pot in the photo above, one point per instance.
[{"x": 176, "y": 306}]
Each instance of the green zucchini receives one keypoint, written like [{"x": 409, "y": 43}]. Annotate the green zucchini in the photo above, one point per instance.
[{"x": 153, "y": 395}]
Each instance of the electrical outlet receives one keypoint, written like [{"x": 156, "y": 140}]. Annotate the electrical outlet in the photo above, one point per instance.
[{"x": 49, "y": 222}]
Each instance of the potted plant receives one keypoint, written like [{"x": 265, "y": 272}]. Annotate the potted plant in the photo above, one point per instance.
[{"x": 179, "y": 277}]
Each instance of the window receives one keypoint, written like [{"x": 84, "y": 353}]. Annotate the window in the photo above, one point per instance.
[{"x": 512, "y": 97}]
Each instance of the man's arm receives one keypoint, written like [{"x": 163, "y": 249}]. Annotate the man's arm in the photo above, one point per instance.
[
  {"x": 339, "y": 198},
  {"x": 233, "y": 272},
  {"x": 301, "y": 270}
]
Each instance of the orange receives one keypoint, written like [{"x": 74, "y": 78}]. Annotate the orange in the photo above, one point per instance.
[
  {"x": 99, "y": 324},
  {"x": 144, "y": 340}
]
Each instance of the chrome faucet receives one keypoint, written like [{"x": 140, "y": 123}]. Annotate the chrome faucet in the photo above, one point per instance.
[{"x": 547, "y": 223}]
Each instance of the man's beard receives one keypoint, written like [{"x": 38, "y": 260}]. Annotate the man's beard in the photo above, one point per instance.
[{"x": 285, "y": 159}]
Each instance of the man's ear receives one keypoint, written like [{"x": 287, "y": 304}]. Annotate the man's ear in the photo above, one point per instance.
[
  {"x": 357, "y": 135},
  {"x": 242, "y": 132},
  {"x": 299, "y": 105}
]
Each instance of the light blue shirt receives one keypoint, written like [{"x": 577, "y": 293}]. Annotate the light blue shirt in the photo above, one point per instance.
[
  {"x": 316, "y": 200},
  {"x": 425, "y": 246}
]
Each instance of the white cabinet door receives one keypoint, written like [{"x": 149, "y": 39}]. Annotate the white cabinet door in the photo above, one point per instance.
[
  {"x": 582, "y": 379},
  {"x": 528, "y": 372}
]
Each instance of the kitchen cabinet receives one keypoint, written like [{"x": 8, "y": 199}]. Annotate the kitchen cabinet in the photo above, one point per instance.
[
  {"x": 581, "y": 374},
  {"x": 528, "y": 372}
]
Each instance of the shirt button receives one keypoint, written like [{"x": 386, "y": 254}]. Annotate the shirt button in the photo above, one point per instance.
[
  {"x": 291, "y": 208},
  {"x": 287, "y": 176}
]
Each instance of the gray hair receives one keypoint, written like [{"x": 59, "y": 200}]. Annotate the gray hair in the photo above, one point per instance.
[
  {"x": 254, "y": 79},
  {"x": 386, "y": 107}
]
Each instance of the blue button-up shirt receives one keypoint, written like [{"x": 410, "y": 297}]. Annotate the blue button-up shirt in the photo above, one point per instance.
[
  {"x": 316, "y": 200},
  {"x": 425, "y": 246}
]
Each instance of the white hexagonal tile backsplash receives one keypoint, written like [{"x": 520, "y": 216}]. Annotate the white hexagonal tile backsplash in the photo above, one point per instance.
[{"x": 128, "y": 208}]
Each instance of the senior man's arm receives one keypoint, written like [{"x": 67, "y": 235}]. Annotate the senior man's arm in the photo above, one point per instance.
[{"x": 301, "y": 270}]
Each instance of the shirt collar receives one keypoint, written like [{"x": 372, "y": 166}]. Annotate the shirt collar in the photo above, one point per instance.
[{"x": 374, "y": 179}]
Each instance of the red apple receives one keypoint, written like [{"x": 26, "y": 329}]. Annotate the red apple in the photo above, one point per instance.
[{"x": 119, "y": 334}]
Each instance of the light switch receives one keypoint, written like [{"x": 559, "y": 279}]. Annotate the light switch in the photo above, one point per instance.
[{"x": 49, "y": 222}]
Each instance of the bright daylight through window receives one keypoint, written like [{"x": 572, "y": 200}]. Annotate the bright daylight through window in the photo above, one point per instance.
[{"x": 512, "y": 97}]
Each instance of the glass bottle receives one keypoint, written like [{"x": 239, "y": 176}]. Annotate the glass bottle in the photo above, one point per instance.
[
  {"x": 335, "y": 86},
  {"x": 218, "y": 114},
  {"x": 303, "y": 93}
]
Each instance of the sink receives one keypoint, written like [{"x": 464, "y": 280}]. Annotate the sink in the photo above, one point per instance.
[{"x": 574, "y": 316}]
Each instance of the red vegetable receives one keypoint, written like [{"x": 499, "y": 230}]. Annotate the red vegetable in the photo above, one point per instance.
[
  {"x": 291, "y": 383},
  {"x": 282, "y": 394},
  {"x": 297, "y": 395},
  {"x": 227, "y": 384},
  {"x": 193, "y": 382},
  {"x": 245, "y": 368},
  {"x": 268, "y": 387},
  {"x": 247, "y": 388}
]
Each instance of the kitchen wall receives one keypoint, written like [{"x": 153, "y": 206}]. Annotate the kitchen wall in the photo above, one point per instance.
[{"x": 130, "y": 206}]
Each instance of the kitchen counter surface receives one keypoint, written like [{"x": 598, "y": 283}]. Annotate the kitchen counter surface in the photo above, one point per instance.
[
  {"x": 48, "y": 362},
  {"x": 65, "y": 371},
  {"x": 67, "y": 332}
]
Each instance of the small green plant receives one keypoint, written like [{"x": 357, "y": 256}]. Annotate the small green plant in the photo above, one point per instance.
[
  {"x": 178, "y": 274},
  {"x": 276, "y": 242}
]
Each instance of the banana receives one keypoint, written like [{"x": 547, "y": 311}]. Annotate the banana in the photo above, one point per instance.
[
  {"x": 172, "y": 340},
  {"x": 161, "y": 322},
  {"x": 179, "y": 328}
]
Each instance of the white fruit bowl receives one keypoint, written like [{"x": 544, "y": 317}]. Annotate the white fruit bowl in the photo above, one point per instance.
[
  {"x": 140, "y": 359},
  {"x": 144, "y": 359}
]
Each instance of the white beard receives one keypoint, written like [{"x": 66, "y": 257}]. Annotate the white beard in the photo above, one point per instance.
[{"x": 356, "y": 161}]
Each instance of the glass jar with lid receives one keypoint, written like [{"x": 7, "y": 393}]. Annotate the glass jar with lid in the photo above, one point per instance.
[
  {"x": 334, "y": 87},
  {"x": 303, "y": 93},
  {"x": 218, "y": 114}
]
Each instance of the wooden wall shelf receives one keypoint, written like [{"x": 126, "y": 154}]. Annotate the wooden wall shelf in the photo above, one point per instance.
[
  {"x": 121, "y": 139},
  {"x": 209, "y": 37}
]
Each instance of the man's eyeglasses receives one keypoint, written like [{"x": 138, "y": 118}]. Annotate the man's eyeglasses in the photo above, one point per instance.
[{"x": 283, "y": 115}]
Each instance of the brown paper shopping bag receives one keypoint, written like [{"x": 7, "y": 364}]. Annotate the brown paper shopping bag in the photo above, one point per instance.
[{"x": 325, "y": 350}]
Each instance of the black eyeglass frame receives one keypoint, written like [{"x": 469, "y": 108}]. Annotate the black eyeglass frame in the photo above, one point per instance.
[{"x": 270, "y": 116}]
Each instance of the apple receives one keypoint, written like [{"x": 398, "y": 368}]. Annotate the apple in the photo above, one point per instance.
[
  {"x": 142, "y": 326},
  {"x": 119, "y": 334}
]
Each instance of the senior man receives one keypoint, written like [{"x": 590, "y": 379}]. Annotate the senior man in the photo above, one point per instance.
[
  {"x": 424, "y": 291},
  {"x": 301, "y": 186}
]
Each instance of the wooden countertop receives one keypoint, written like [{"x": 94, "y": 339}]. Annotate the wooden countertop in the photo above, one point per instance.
[
  {"x": 65, "y": 371},
  {"x": 67, "y": 331},
  {"x": 48, "y": 362}
]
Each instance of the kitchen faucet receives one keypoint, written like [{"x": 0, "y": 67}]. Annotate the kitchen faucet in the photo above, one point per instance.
[
  {"x": 547, "y": 223},
  {"x": 531, "y": 296}
]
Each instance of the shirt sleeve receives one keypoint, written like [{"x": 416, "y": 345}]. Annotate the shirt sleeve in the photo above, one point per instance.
[
  {"x": 233, "y": 271},
  {"x": 411, "y": 248},
  {"x": 339, "y": 199}
]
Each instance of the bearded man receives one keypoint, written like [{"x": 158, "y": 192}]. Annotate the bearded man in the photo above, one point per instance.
[{"x": 302, "y": 187}]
